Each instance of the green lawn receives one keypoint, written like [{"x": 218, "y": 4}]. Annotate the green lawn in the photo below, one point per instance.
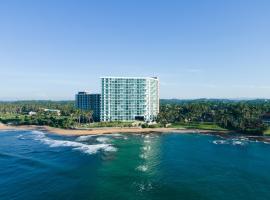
[
  {"x": 267, "y": 132},
  {"x": 106, "y": 124},
  {"x": 11, "y": 116},
  {"x": 202, "y": 126}
]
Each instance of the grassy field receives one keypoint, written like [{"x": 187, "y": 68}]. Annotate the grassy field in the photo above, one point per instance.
[
  {"x": 106, "y": 124},
  {"x": 267, "y": 132},
  {"x": 11, "y": 116},
  {"x": 202, "y": 126}
]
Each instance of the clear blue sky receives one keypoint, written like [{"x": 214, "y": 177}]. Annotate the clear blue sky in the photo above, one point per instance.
[{"x": 198, "y": 48}]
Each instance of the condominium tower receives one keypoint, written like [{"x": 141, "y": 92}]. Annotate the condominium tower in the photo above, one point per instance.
[
  {"x": 129, "y": 98},
  {"x": 87, "y": 101}
]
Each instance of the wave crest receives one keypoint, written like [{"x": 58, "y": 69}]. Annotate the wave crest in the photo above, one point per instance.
[
  {"x": 103, "y": 139},
  {"x": 85, "y": 148},
  {"x": 84, "y": 138},
  {"x": 233, "y": 142}
]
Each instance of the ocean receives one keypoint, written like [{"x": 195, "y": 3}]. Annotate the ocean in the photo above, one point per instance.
[{"x": 39, "y": 165}]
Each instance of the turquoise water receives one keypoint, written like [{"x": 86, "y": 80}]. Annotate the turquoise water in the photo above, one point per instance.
[{"x": 36, "y": 165}]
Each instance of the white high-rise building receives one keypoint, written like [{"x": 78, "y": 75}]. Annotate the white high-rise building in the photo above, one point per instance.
[{"x": 129, "y": 98}]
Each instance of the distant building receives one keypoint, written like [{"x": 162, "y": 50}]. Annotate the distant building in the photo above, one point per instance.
[
  {"x": 87, "y": 101},
  {"x": 129, "y": 98},
  {"x": 57, "y": 112},
  {"x": 32, "y": 113},
  {"x": 82, "y": 101}
]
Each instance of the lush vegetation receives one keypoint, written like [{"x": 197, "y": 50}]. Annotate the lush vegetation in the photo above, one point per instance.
[
  {"x": 242, "y": 116},
  {"x": 198, "y": 125},
  {"x": 267, "y": 132},
  {"x": 19, "y": 113},
  {"x": 108, "y": 124}
]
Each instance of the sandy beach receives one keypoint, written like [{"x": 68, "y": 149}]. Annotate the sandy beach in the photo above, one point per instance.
[
  {"x": 4, "y": 127},
  {"x": 105, "y": 130},
  {"x": 112, "y": 130}
]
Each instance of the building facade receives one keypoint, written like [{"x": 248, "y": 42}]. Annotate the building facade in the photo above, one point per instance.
[
  {"x": 129, "y": 98},
  {"x": 86, "y": 101}
]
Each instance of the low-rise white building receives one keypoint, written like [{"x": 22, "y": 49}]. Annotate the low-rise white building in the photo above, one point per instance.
[{"x": 57, "y": 112}]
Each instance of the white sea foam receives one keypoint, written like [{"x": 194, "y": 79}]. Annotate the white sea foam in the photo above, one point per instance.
[
  {"x": 18, "y": 136},
  {"x": 142, "y": 168},
  {"x": 147, "y": 148},
  {"x": 238, "y": 143},
  {"x": 144, "y": 186},
  {"x": 84, "y": 138},
  {"x": 143, "y": 156},
  {"x": 220, "y": 142},
  {"x": 85, "y": 148},
  {"x": 21, "y": 137},
  {"x": 234, "y": 141},
  {"x": 243, "y": 139},
  {"x": 103, "y": 139},
  {"x": 117, "y": 135}
]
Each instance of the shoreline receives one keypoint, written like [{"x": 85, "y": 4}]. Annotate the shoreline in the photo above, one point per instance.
[
  {"x": 107, "y": 130},
  {"x": 112, "y": 130}
]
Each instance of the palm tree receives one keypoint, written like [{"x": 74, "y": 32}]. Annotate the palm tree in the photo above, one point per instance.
[{"x": 89, "y": 115}]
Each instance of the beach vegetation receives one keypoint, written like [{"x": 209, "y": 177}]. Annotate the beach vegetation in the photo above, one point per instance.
[
  {"x": 241, "y": 116},
  {"x": 218, "y": 115}
]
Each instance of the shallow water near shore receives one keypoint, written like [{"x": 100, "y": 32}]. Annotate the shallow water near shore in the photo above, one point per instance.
[{"x": 38, "y": 165}]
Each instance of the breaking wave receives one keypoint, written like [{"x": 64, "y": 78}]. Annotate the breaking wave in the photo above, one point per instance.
[
  {"x": 238, "y": 143},
  {"x": 234, "y": 142},
  {"x": 103, "y": 139},
  {"x": 85, "y": 148},
  {"x": 21, "y": 137},
  {"x": 84, "y": 138},
  {"x": 220, "y": 142}
]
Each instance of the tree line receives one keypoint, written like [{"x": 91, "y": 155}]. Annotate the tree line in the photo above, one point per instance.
[
  {"x": 18, "y": 113},
  {"x": 241, "y": 116}
]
